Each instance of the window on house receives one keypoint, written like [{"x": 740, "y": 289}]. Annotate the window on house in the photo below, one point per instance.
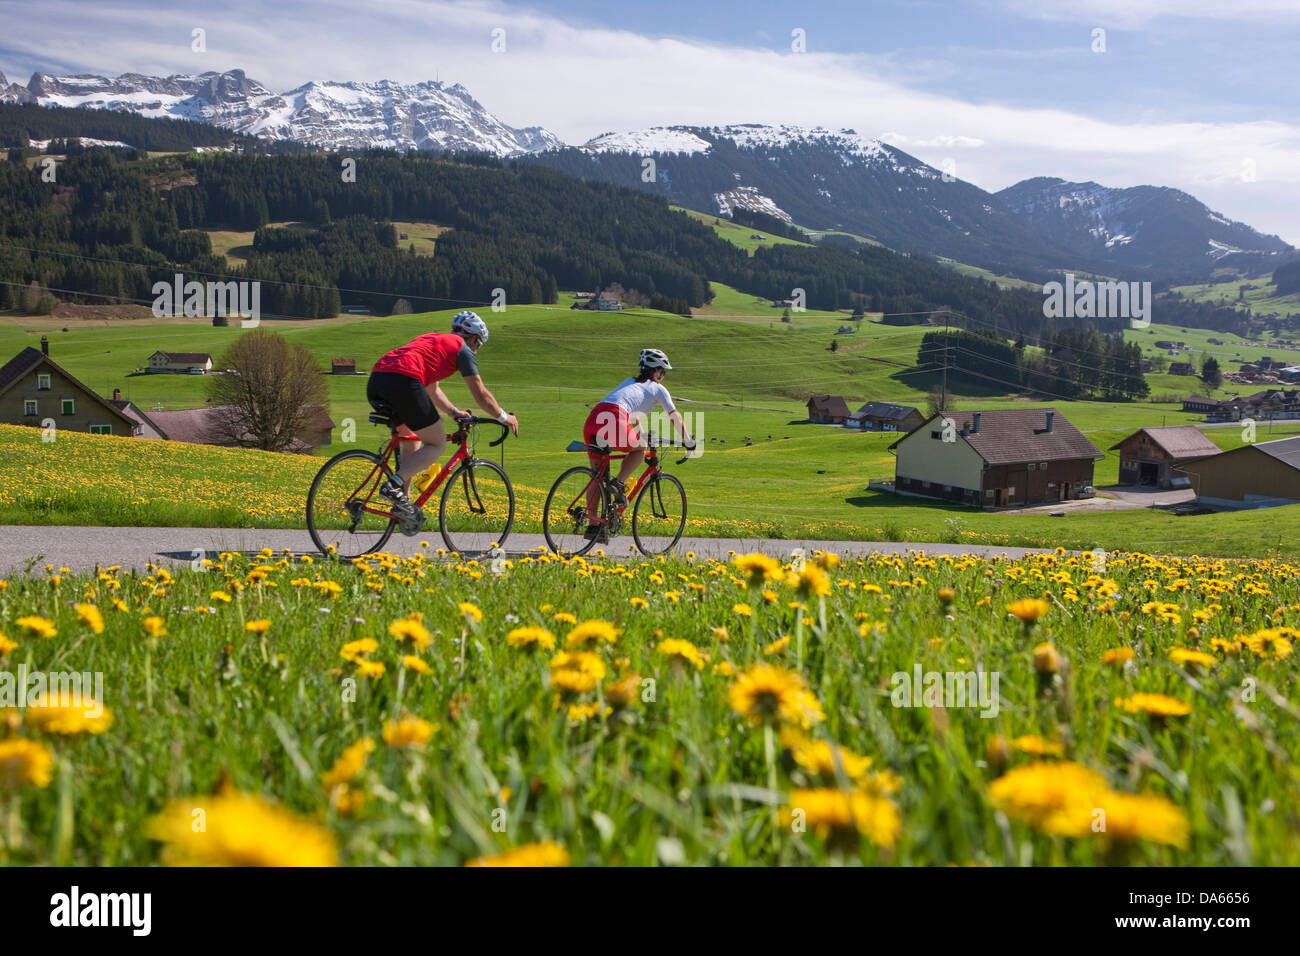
[
  {"x": 29, "y": 406},
  {"x": 1042, "y": 466},
  {"x": 988, "y": 493},
  {"x": 101, "y": 429},
  {"x": 1032, "y": 466},
  {"x": 42, "y": 382},
  {"x": 925, "y": 484},
  {"x": 69, "y": 406},
  {"x": 947, "y": 487},
  {"x": 936, "y": 435}
]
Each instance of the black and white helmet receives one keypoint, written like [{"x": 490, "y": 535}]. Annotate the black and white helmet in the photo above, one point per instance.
[
  {"x": 653, "y": 358},
  {"x": 468, "y": 323}
]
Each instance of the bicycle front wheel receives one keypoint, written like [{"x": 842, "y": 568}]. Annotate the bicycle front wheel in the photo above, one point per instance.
[
  {"x": 335, "y": 517},
  {"x": 659, "y": 516},
  {"x": 477, "y": 508},
  {"x": 575, "y": 498}
]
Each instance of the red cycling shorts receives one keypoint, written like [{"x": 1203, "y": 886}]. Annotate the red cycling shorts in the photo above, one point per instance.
[{"x": 608, "y": 425}]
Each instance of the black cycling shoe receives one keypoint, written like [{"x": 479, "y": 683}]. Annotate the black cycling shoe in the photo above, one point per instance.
[
  {"x": 392, "y": 492},
  {"x": 617, "y": 492},
  {"x": 597, "y": 532}
]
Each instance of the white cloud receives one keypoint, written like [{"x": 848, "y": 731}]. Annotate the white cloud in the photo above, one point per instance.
[
  {"x": 1133, "y": 14},
  {"x": 580, "y": 81}
]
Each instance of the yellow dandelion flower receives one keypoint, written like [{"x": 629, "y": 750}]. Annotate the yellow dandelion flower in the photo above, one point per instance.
[
  {"x": 576, "y": 672},
  {"x": 1054, "y": 797},
  {"x": 1028, "y": 609},
  {"x": 87, "y": 716},
  {"x": 1194, "y": 659},
  {"x": 1117, "y": 655},
  {"x": 546, "y": 853},
  {"x": 24, "y": 763},
  {"x": 1158, "y": 705},
  {"x": 564, "y": 617},
  {"x": 766, "y": 694},
  {"x": 37, "y": 626},
  {"x": 410, "y": 731},
  {"x": 1144, "y": 816},
  {"x": 409, "y": 629},
  {"x": 349, "y": 765},
  {"x": 239, "y": 830},
  {"x": 91, "y": 617},
  {"x": 639, "y": 603},
  {"x": 470, "y": 611},
  {"x": 1036, "y": 746},
  {"x": 531, "y": 636},
  {"x": 417, "y": 664},
  {"x": 7, "y": 645},
  {"x": 592, "y": 632},
  {"x": 355, "y": 650},
  {"x": 371, "y": 669},
  {"x": 1046, "y": 659},
  {"x": 743, "y": 610},
  {"x": 758, "y": 568},
  {"x": 154, "y": 626},
  {"x": 258, "y": 627},
  {"x": 832, "y": 812},
  {"x": 683, "y": 650},
  {"x": 777, "y": 647},
  {"x": 809, "y": 581}
]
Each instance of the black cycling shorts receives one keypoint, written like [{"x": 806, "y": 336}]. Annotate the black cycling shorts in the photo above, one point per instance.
[{"x": 403, "y": 396}]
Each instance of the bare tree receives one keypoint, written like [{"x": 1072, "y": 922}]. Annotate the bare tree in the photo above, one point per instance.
[{"x": 267, "y": 397}]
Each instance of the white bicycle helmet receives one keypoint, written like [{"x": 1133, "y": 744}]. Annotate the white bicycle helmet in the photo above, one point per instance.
[
  {"x": 653, "y": 358},
  {"x": 468, "y": 323}
]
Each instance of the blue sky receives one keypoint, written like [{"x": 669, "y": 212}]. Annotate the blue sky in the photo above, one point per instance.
[{"x": 1188, "y": 93}]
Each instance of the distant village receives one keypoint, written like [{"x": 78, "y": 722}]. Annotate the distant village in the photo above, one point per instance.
[{"x": 989, "y": 458}]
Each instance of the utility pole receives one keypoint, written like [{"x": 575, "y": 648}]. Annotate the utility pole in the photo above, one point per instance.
[{"x": 943, "y": 400}]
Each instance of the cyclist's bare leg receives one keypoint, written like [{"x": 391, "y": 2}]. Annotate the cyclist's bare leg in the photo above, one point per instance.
[
  {"x": 434, "y": 443},
  {"x": 630, "y": 464}
]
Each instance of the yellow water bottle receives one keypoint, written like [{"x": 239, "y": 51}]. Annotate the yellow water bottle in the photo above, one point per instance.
[{"x": 423, "y": 478}]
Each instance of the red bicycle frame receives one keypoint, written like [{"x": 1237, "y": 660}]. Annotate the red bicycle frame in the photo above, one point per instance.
[
  {"x": 381, "y": 468},
  {"x": 602, "y": 468}
]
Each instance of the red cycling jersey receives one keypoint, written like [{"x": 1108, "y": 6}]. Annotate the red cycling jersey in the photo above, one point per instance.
[{"x": 430, "y": 358}]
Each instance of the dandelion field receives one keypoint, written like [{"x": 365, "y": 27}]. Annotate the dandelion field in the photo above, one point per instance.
[{"x": 278, "y": 709}]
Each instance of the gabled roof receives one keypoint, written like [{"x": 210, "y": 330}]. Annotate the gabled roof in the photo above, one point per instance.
[
  {"x": 19, "y": 365},
  {"x": 1285, "y": 450},
  {"x": 189, "y": 358},
  {"x": 1178, "y": 441},
  {"x": 890, "y": 411},
  {"x": 830, "y": 405},
  {"x": 148, "y": 427},
  {"x": 1010, "y": 436},
  {"x": 30, "y": 359}
]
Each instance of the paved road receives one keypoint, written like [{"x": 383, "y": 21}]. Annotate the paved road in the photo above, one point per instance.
[{"x": 80, "y": 549}]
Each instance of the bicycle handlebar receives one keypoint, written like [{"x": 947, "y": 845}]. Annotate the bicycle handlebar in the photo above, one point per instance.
[{"x": 475, "y": 420}]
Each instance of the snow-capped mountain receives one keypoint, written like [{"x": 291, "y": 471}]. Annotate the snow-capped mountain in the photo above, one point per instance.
[
  {"x": 822, "y": 179},
  {"x": 330, "y": 115},
  {"x": 1142, "y": 226}
]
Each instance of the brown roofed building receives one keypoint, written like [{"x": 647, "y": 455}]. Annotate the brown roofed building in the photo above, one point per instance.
[
  {"x": 997, "y": 458},
  {"x": 827, "y": 410},
  {"x": 343, "y": 366},
  {"x": 37, "y": 391},
  {"x": 885, "y": 417},
  {"x": 181, "y": 362},
  {"x": 1181, "y": 368},
  {"x": 1258, "y": 475},
  {"x": 197, "y": 426},
  {"x": 1155, "y": 456}
]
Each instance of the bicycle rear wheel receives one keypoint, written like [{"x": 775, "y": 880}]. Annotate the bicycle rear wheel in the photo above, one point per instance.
[
  {"x": 659, "y": 516},
  {"x": 566, "y": 514},
  {"x": 477, "y": 508},
  {"x": 335, "y": 519}
]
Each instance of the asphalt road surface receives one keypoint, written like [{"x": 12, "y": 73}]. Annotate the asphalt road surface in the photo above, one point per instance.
[{"x": 82, "y": 548}]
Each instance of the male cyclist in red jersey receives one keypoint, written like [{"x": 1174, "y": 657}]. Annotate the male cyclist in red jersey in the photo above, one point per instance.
[
  {"x": 611, "y": 425},
  {"x": 405, "y": 381}
]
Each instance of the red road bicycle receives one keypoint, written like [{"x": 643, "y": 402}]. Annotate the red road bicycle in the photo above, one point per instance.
[
  {"x": 581, "y": 498},
  {"x": 347, "y": 517}
]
